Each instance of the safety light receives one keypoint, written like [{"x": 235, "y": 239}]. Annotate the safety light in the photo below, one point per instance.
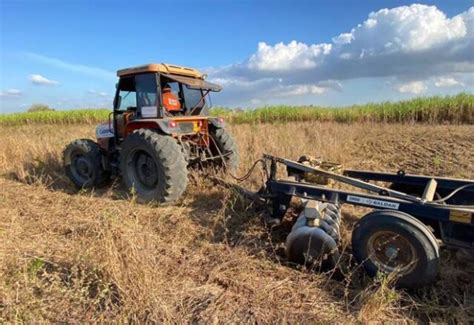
[{"x": 172, "y": 124}]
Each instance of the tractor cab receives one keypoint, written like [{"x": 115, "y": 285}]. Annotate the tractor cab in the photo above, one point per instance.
[{"x": 160, "y": 91}]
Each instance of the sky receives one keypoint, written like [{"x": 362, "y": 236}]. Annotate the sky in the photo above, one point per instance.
[{"x": 64, "y": 53}]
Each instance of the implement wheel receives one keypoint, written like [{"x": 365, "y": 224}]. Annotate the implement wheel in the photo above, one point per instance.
[
  {"x": 392, "y": 242},
  {"x": 83, "y": 164},
  {"x": 153, "y": 166}
]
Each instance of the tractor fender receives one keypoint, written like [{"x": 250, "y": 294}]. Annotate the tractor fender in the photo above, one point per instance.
[
  {"x": 162, "y": 125},
  {"x": 217, "y": 122},
  {"x": 104, "y": 130}
]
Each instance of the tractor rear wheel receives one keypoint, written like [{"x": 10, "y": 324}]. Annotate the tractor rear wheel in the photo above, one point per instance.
[
  {"x": 223, "y": 143},
  {"x": 83, "y": 164},
  {"x": 153, "y": 166}
]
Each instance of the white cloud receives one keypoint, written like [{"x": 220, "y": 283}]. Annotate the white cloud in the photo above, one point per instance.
[
  {"x": 344, "y": 38},
  {"x": 255, "y": 101},
  {"x": 407, "y": 28},
  {"x": 412, "y": 87},
  {"x": 293, "y": 55},
  {"x": 331, "y": 84},
  {"x": 416, "y": 42},
  {"x": 448, "y": 82},
  {"x": 79, "y": 68},
  {"x": 308, "y": 89},
  {"x": 11, "y": 93},
  {"x": 299, "y": 90},
  {"x": 98, "y": 93},
  {"x": 38, "y": 79}
]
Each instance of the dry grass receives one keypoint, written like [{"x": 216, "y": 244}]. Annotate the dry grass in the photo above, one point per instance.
[{"x": 97, "y": 256}]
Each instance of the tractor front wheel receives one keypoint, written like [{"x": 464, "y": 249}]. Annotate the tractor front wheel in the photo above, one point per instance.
[
  {"x": 153, "y": 166},
  {"x": 83, "y": 163}
]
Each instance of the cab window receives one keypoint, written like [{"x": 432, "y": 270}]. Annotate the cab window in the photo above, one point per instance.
[
  {"x": 193, "y": 98},
  {"x": 145, "y": 85},
  {"x": 127, "y": 95}
]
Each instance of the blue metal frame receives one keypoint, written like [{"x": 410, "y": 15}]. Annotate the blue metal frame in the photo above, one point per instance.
[
  {"x": 454, "y": 224},
  {"x": 409, "y": 179},
  {"x": 416, "y": 183}
]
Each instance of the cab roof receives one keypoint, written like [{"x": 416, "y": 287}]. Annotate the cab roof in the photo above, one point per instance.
[{"x": 162, "y": 68}]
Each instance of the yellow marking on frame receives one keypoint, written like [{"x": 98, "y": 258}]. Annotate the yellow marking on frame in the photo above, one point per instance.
[
  {"x": 460, "y": 216},
  {"x": 196, "y": 127}
]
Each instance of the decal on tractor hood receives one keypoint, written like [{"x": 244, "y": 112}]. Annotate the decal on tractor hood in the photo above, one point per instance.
[
  {"x": 104, "y": 131},
  {"x": 372, "y": 202}
]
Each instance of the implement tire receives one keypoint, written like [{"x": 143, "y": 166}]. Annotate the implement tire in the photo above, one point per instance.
[
  {"x": 153, "y": 166},
  {"x": 226, "y": 146},
  {"x": 392, "y": 242},
  {"x": 83, "y": 164}
]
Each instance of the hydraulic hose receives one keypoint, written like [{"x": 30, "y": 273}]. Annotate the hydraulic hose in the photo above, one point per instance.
[{"x": 450, "y": 195}]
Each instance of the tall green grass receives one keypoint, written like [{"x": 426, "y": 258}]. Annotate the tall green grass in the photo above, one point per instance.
[
  {"x": 458, "y": 109},
  {"x": 56, "y": 117}
]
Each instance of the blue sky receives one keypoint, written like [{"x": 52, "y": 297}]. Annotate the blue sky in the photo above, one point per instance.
[{"x": 65, "y": 53}]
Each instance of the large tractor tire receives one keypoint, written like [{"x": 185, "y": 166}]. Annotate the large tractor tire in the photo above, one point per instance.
[
  {"x": 223, "y": 144},
  {"x": 153, "y": 166},
  {"x": 83, "y": 161}
]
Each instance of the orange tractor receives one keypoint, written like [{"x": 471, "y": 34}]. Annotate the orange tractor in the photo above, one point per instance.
[{"x": 158, "y": 127}]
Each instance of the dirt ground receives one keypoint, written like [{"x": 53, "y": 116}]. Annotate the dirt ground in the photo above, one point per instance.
[{"x": 83, "y": 256}]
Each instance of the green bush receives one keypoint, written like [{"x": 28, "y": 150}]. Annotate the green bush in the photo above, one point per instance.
[{"x": 39, "y": 108}]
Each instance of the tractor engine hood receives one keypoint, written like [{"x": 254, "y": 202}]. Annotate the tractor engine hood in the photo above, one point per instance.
[{"x": 194, "y": 83}]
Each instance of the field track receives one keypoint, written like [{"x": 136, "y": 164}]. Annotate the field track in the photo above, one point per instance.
[{"x": 90, "y": 256}]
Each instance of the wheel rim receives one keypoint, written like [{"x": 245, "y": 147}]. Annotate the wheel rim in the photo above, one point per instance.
[
  {"x": 143, "y": 170},
  {"x": 391, "y": 252},
  {"x": 82, "y": 168}
]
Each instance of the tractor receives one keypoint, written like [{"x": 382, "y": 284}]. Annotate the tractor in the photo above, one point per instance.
[{"x": 151, "y": 139}]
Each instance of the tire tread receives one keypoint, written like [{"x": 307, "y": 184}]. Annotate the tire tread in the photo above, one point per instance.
[{"x": 171, "y": 159}]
